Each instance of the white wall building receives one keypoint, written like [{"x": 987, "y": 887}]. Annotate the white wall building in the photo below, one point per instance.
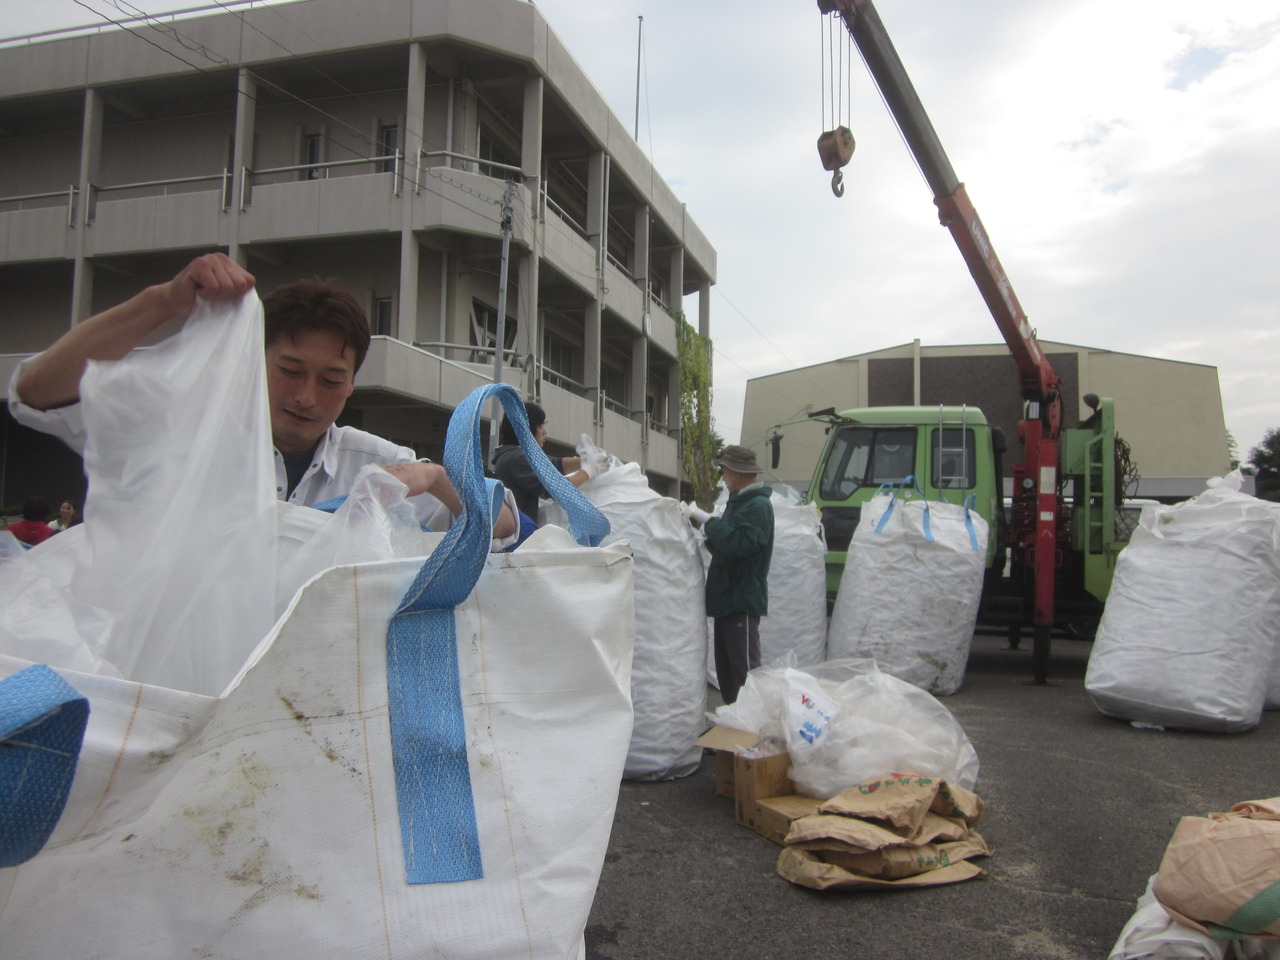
[{"x": 370, "y": 142}]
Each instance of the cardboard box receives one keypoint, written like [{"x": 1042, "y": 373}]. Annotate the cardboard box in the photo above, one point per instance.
[{"x": 764, "y": 797}]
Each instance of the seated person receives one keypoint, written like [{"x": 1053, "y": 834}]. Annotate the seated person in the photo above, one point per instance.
[
  {"x": 316, "y": 337},
  {"x": 511, "y": 466},
  {"x": 66, "y": 517}
]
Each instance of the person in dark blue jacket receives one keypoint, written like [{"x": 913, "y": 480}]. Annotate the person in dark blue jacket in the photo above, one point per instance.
[{"x": 741, "y": 546}]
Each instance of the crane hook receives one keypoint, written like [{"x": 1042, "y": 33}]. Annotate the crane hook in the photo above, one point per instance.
[{"x": 835, "y": 147}]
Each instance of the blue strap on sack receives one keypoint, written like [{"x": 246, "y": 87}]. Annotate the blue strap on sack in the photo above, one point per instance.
[
  {"x": 970, "y": 504},
  {"x": 428, "y": 735},
  {"x": 892, "y": 487},
  {"x": 42, "y": 724}
]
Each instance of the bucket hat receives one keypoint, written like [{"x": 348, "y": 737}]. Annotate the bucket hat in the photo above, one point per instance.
[{"x": 739, "y": 459}]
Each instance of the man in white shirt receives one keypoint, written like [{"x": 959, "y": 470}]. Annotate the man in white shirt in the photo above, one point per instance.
[{"x": 316, "y": 337}]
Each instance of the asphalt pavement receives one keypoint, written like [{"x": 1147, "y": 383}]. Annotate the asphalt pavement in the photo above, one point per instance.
[{"x": 1079, "y": 808}]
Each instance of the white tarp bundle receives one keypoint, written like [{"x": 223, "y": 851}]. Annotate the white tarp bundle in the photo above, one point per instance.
[
  {"x": 910, "y": 590},
  {"x": 1189, "y": 634},
  {"x": 844, "y": 722},
  {"x": 667, "y": 673}
]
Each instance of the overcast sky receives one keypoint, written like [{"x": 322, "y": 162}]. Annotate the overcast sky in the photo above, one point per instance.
[{"x": 1123, "y": 155}]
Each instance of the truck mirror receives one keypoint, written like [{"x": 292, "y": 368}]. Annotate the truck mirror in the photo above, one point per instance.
[{"x": 775, "y": 450}]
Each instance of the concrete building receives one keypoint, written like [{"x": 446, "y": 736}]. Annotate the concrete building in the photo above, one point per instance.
[
  {"x": 1169, "y": 412},
  {"x": 373, "y": 142}
]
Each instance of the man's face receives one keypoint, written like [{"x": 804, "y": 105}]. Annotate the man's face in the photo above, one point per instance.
[
  {"x": 541, "y": 434},
  {"x": 735, "y": 481},
  {"x": 309, "y": 379}
]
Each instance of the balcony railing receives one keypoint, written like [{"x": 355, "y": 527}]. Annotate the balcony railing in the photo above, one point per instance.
[
  {"x": 41, "y": 201},
  {"x": 157, "y": 188}
]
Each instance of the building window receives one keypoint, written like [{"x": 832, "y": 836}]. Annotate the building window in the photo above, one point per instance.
[
  {"x": 558, "y": 356},
  {"x": 388, "y": 144},
  {"x": 380, "y": 317},
  {"x": 954, "y": 460},
  {"x": 484, "y": 331},
  {"x": 613, "y": 383},
  {"x": 313, "y": 154}
]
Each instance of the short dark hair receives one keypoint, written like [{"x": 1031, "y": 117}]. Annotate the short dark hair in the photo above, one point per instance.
[
  {"x": 537, "y": 417},
  {"x": 35, "y": 508},
  {"x": 316, "y": 304}
]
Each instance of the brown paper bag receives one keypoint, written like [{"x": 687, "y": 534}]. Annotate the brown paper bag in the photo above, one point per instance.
[
  {"x": 904, "y": 800},
  {"x": 893, "y": 863},
  {"x": 803, "y": 867},
  {"x": 1221, "y": 873}
]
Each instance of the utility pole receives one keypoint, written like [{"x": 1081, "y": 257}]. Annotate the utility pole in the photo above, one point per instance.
[
  {"x": 639, "y": 44},
  {"x": 500, "y": 335}
]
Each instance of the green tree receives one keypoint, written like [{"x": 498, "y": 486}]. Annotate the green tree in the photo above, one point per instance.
[
  {"x": 1233, "y": 451},
  {"x": 699, "y": 442},
  {"x": 1266, "y": 460}
]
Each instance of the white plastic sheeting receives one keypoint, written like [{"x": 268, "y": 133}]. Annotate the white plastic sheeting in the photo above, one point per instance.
[
  {"x": 667, "y": 673},
  {"x": 182, "y": 484},
  {"x": 1188, "y": 637},
  {"x": 910, "y": 590},
  {"x": 845, "y": 722}
]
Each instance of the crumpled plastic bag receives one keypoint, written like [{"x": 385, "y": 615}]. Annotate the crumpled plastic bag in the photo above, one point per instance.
[{"x": 863, "y": 724}]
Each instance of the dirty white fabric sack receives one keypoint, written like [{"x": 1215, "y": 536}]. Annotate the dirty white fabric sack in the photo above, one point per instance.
[
  {"x": 910, "y": 590},
  {"x": 844, "y": 722},
  {"x": 182, "y": 484},
  {"x": 667, "y": 672},
  {"x": 797, "y": 619},
  {"x": 1188, "y": 636},
  {"x": 366, "y": 786}
]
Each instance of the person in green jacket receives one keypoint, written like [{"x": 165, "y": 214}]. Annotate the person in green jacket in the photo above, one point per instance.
[{"x": 741, "y": 546}]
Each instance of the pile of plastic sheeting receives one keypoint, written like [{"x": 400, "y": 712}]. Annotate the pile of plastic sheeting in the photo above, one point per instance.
[
  {"x": 667, "y": 673},
  {"x": 844, "y": 722},
  {"x": 1190, "y": 632}
]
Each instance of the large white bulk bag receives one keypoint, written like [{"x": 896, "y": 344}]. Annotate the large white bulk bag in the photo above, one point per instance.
[
  {"x": 669, "y": 693},
  {"x": 1188, "y": 636},
  {"x": 910, "y": 590},
  {"x": 420, "y": 760}
]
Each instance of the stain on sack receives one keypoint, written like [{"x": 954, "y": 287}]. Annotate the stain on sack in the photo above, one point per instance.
[{"x": 331, "y": 751}]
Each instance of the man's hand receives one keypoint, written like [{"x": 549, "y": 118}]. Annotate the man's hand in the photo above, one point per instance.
[
  {"x": 214, "y": 276},
  {"x": 431, "y": 478}
]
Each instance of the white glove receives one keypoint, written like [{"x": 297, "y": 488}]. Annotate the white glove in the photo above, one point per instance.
[{"x": 691, "y": 511}]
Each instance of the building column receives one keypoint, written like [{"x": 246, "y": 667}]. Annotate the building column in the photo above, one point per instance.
[
  {"x": 406, "y": 324},
  {"x": 643, "y": 255},
  {"x": 530, "y": 331},
  {"x": 242, "y": 158},
  {"x": 90, "y": 158},
  {"x": 704, "y": 309}
]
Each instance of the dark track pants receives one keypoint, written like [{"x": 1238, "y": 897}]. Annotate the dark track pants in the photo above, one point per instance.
[{"x": 737, "y": 649}]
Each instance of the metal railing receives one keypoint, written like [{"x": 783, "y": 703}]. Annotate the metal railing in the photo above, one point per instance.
[
  {"x": 69, "y": 195},
  {"x": 249, "y": 176},
  {"x": 158, "y": 188}
]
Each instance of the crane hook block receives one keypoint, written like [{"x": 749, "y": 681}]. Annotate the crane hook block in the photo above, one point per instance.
[{"x": 835, "y": 147}]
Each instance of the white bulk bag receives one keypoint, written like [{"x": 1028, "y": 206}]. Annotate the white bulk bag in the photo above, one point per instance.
[
  {"x": 797, "y": 619},
  {"x": 1188, "y": 636},
  {"x": 330, "y": 803},
  {"x": 910, "y": 590},
  {"x": 669, "y": 694}
]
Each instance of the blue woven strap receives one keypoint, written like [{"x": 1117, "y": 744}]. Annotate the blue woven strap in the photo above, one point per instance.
[
  {"x": 970, "y": 504},
  {"x": 42, "y": 723},
  {"x": 889, "y": 489},
  {"x": 428, "y": 734}
]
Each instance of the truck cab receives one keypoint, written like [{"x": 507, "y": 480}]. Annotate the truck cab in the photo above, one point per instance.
[{"x": 950, "y": 453}]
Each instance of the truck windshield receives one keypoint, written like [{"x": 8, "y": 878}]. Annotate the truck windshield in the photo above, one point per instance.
[{"x": 867, "y": 456}]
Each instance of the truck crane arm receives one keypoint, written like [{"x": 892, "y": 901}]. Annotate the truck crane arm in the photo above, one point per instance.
[
  {"x": 1037, "y": 506},
  {"x": 1039, "y": 382}
]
